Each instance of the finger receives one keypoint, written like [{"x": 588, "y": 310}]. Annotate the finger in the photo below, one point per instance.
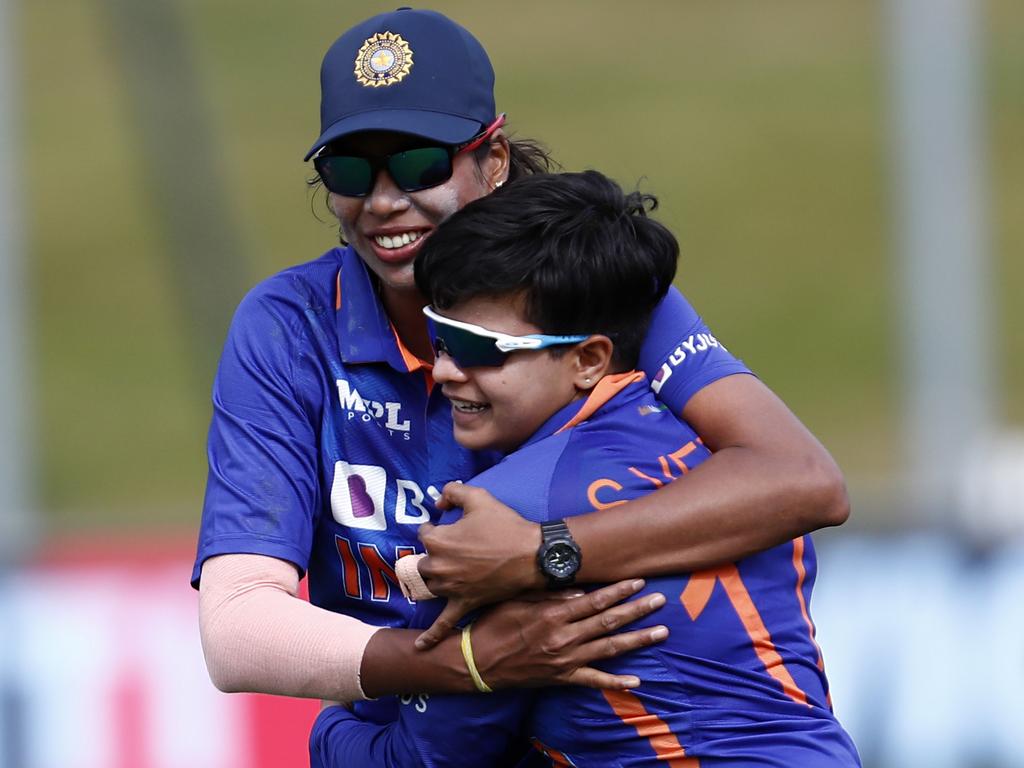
[
  {"x": 458, "y": 494},
  {"x": 424, "y": 530},
  {"x": 543, "y": 596},
  {"x": 600, "y": 599},
  {"x": 442, "y": 626},
  {"x": 617, "y": 616},
  {"x": 589, "y": 677},
  {"x": 616, "y": 645},
  {"x": 426, "y": 569}
]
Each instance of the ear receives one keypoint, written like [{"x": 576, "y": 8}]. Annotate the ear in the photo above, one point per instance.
[
  {"x": 495, "y": 166},
  {"x": 591, "y": 359}
]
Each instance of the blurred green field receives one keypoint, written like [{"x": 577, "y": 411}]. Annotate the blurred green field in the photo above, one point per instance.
[{"x": 761, "y": 126}]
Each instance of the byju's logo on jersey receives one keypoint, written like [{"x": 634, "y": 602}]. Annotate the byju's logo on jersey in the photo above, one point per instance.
[
  {"x": 390, "y": 413},
  {"x": 359, "y": 493},
  {"x": 690, "y": 347}
]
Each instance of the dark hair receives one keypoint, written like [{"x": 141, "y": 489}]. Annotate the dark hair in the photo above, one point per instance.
[
  {"x": 585, "y": 256},
  {"x": 528, "y": 157}
]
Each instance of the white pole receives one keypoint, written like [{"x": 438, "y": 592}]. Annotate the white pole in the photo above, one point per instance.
[
  {"x": 16, "y": 521},
  {"x": 941, "y": 236}
]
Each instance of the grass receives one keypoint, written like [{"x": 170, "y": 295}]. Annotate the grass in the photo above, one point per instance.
[{"x": 761, "y": 127}]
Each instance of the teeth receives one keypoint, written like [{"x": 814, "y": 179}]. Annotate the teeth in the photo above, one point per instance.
[
  {"x": 397, "y": 241},
  {"x": 465, "y": 406}
]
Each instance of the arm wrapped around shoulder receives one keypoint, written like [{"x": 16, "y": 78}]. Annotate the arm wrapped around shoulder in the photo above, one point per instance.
[{"x": 259, "y": 636}]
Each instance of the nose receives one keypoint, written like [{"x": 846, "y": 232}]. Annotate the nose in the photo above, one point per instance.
[
  {"x": 386, "y": 198},
  {"x": 446, "y": 370}
]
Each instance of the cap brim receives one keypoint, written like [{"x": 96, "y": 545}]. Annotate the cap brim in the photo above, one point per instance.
[{"x": 445, "y": 129}]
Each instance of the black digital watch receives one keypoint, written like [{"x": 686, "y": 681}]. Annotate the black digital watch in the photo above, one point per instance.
[{"x": 559, "y": 557}]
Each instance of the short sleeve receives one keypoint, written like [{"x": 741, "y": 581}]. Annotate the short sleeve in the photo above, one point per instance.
[
  {"x": 680, "y": 355},
  {"x": 262, "y": 490}
]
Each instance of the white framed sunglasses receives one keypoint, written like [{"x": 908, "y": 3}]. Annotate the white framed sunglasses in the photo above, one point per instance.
[{"x": 473, "y": 345}]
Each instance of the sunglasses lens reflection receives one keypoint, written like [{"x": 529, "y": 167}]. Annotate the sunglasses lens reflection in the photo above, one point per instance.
[
  {"x": 420, "y": 168},
  {"x": 466, "y": 348},
  {"x": 344, "y": 175},
  {"x": 412, "y": 170}
]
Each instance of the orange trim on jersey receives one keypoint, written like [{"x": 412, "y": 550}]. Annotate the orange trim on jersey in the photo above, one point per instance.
[
  {"x": 558, "y": 759},
  {"x": 695, "y": 598},
  {"x": 665, "y": 744},
  {"x": 697, "y": 592},
  {"x": 664, "y": 468},
  {"x": 759, "y": 635},
  {"x": 413, "y": 363},
  {"x": 337, "y": 291},
  {"x": 801, "y": 575},
  {"x": 606, "y": 389},
  {"x": 655, "y": 481},
  {"x": 681, "y": 454},
  {"x": 594, "y": 487}
]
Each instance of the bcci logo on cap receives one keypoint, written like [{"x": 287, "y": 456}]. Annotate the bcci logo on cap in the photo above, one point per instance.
[{"x": 383, "y": 60}]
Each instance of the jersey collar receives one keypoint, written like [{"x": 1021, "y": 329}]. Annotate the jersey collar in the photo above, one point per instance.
[
  {"x": 632, "y": 383},
  {"x": 365, "y": 334}
]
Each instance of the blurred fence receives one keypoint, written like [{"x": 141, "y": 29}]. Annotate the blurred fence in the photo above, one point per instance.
[
  {"x": 101, "y": 667},
  {"x": 100, "y": 664}
]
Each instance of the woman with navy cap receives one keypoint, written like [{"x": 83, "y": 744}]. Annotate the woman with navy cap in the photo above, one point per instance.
[{"x": 330, "y": 448}]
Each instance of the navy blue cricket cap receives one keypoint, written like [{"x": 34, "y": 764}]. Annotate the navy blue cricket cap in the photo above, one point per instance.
[{"x": 410, "y": 71}]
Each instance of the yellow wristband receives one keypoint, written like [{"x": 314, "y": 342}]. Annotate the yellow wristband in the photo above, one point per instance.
[{"x": 467, "y": 654}]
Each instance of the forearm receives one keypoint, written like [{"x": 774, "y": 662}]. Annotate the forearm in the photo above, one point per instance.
[
  {"x": 767, "y": 481},
  {"x": 740, "y": 501},
  {"x": 259, "y": 636},
  {"x": 391, "y": 664}
]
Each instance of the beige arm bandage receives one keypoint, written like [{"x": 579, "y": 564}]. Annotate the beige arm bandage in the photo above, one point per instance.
[{"x": 259, "y": 636}]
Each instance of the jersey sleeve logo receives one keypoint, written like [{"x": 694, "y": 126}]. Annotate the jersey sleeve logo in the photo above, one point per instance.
[
  {"x": 383, "y": 60},
  {"x": 687, "y": 348}
]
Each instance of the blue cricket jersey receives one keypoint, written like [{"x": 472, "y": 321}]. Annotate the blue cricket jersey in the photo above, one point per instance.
[
  {"x": 739, "y": 682},
  {"x": 327, "y": 434}
]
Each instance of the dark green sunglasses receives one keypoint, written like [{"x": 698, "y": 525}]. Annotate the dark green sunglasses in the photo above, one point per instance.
[{"x": 411, "y": 170}]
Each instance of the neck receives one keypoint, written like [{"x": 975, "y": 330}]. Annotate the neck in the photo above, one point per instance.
[{"x": 405, "y": 310}]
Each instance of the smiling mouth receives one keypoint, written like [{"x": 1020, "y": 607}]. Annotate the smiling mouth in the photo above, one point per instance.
[
  {"x": 467, "y": 406},
  {"x": 391, "y": 242}
]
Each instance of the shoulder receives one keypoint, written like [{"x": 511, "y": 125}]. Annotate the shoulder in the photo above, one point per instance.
[
  {"x": 276, "y": 313},
  {"x": 272, "y": 325},
  {"x": 627, "y": 449},
  {"x": 634, "y": 419},
  {"x": 297, "y": 289},
  {"x": 523, "y": 479}
]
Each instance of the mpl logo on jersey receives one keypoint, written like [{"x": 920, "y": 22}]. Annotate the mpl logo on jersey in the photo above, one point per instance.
[
  {"x": 694, "y": 345},
  {"x": 358, "y": 408}
]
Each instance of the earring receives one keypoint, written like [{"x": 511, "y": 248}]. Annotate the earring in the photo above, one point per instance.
[{"x": 499, "y": 184}]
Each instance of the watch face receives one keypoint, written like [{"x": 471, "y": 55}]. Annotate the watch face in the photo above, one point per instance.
[{"x": 561, "y": 560}]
